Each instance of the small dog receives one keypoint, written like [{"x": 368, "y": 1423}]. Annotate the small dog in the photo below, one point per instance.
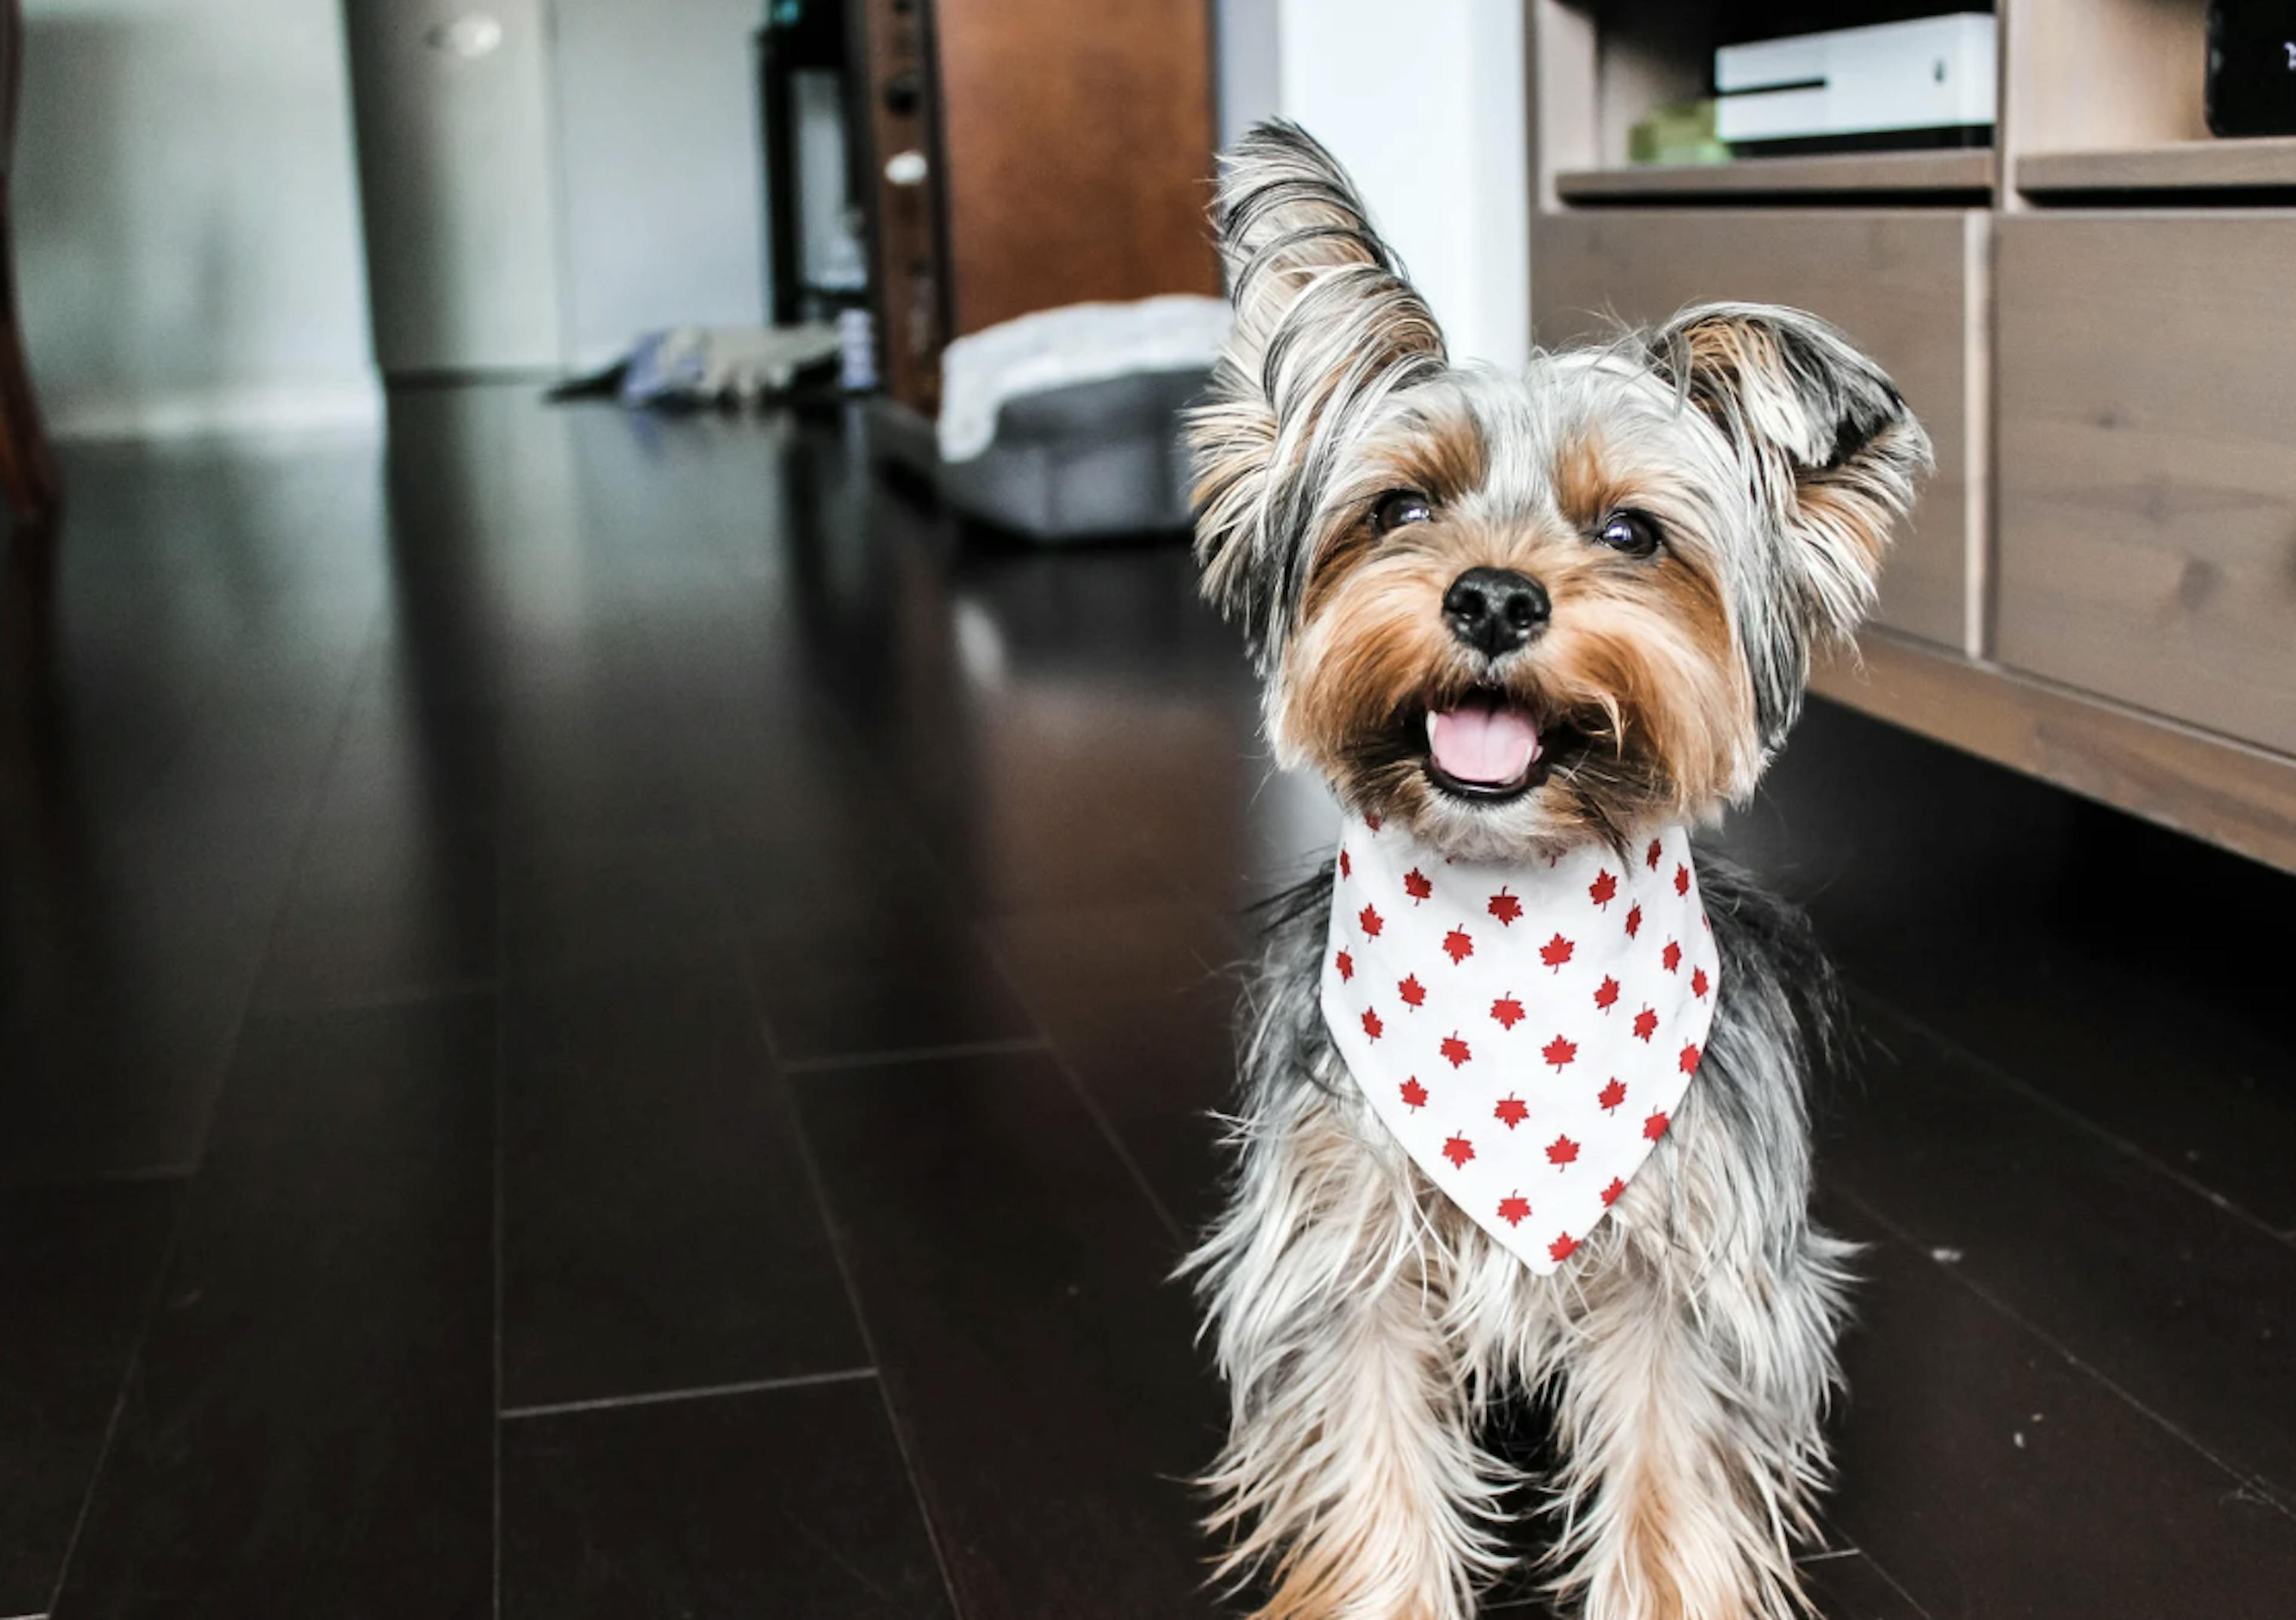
[{"x": 1523, "y": 624}]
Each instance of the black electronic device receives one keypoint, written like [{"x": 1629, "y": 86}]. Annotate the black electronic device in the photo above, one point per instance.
[{"x": 2252, "y": 71}]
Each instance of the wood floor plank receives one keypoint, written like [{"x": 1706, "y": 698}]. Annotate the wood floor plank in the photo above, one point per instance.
[
  {"x": 1850, "y": 1586},
  {"x": 906, "y": 980},
  {"x": 2188, "y": 1308},
  {"x": 782, "y": 1502},
  {"x": 308, "y": 1430},
  {"x": 1996, "y": 1480},
  {"x": 1013, "y": 1283},
  {"x": 595, "y": 909},
  {"x": 1140, "y": 1002},
  {"x": 659, "y": 1229},
  {"x": 77, "y": 1268}
]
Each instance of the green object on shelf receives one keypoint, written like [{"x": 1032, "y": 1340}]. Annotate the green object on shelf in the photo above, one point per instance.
[{"x": 1680, "y": 132}]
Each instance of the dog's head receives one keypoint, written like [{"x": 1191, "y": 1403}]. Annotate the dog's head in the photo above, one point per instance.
[{"x": 1517, "y": 613}]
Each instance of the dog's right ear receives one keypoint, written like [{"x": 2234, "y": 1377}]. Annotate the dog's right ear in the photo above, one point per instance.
[
  {"x": 1326, "y": 328},
  {"x": 1828, "y": 448}
]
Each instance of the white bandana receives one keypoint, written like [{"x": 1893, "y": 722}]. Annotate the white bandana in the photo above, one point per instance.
[{"x": 1526, "y": 1032}]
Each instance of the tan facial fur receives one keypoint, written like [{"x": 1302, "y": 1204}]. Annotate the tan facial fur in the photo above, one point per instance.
[{"x": 1638, "y": 658}]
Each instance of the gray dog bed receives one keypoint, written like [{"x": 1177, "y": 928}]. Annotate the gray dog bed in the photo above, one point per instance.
[
  {"x": 1066, "y": 424},
  {"x": 1090, "y": 458}
]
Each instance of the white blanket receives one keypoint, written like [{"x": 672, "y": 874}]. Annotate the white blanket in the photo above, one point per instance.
[{"x": 1076, "y": 344}]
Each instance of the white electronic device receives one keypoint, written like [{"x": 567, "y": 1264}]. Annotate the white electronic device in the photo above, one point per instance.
[{"x": 1929, "y": 81}]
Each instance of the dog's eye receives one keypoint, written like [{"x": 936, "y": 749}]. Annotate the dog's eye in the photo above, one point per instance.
[
  {"x": 1397, "y": 507},
  {"x": 1630, "y": 532}
]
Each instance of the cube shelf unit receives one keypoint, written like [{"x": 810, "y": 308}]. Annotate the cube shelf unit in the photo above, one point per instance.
[{"x": 2094, "y": 319}]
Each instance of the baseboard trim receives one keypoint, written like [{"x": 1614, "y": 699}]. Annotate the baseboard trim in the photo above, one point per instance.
[
  {"x": 2230, "y": 792},
  {"x": 346, "y": 406}
]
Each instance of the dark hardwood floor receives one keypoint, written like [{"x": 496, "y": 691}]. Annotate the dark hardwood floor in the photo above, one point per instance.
[{"x": 598, "y": 1018}]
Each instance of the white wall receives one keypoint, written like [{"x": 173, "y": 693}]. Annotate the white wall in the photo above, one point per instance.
[
  {"x": 1248, "y": 39},
  {"x": 1424, "y": 104},
  {"x": 187, "y": 238},
  {"x": 663, "y": 166}
]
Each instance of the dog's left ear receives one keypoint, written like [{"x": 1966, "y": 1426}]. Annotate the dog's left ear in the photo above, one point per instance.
[
  {"x": 1327, "y": 329},
  {"x": 1831, "y": 450}
]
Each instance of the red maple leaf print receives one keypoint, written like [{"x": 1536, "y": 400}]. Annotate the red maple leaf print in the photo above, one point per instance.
[
  {"x": 1508, "y": 1011},
  {"x": 1414, "y": 1094},
  {"x": 1346, "y": 964},
  {"x": 1511, "y": 1112},
  {"x": 1614, "y": 1192},
  {"x": 1606, "y": 993},
  {"x": 1681, "y": 879},
  {"x": 1652, "y": 855},
  {"x": 1699, "y": 983},
  {"x": 1654, "y": 1127},
  {"x": 1412, "y": 991},
  {"x": 1347, "y": 866},
  {"x": 1634, "y": 922},
  {"x": 1611, "y": 1094},
  {"x": 1505, "y": 907},
  {"x": 1454, "y": 1050},
  {"x": 1415, "y": 885},
  {"x": 1688, "y": 1061},
  {"x": 1458, "y": 946},
  {"x": 1562, "y": 1151},
  {"x": 1372, "y": 1027},
  {"x": 1603, "y": 890},
  {"x": 1560, "y": 1249},
  {"x": 1372, "y": 822},
  {"x": 1514, "y": 1209},
  {"x": 1645, "y": 1024},
  {"x": 1368, "y": 921},
  {"x": 1458, "y": 1150},
  {"x": 1559, "y": 1051},
  {"x": 1555, "y": 952},
  {"x": 1672, "y": 957}
]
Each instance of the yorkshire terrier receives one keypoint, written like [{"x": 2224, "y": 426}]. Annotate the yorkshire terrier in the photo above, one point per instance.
[{"x": 1523, "y": 1113}]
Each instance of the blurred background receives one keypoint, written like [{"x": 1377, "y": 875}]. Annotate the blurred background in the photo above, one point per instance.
[{"x": 624, "y": 852}]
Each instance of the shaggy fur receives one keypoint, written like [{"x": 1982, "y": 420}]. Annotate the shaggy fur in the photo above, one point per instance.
[{"x": 1364, "y": 1325}]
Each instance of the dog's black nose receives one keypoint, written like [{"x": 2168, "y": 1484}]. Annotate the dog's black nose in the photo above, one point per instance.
[{"x": 1496, "y": 610}]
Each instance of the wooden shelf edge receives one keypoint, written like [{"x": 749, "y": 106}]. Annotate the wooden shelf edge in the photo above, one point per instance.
[
  {"x": 1970, "y": 170},
  {"x": 2231, "y": 793},
  {"x": 2261, "y": 164}
]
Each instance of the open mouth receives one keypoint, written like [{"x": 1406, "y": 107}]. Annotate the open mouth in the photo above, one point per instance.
[{"x": 1488, "y": 749}]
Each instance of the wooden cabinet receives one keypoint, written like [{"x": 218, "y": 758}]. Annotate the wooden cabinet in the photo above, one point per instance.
[
  {"x": 2148, "y": 463},
  {"x": 1895, "y": 281}
]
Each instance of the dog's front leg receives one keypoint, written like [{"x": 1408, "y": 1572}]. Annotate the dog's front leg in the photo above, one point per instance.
[
  {"x": 1690, "y": 1418},
  {"x": 1350, "y": 1476}
]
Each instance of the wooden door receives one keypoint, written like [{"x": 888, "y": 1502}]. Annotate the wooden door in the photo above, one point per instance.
[{"x": 1077, "y": 151}]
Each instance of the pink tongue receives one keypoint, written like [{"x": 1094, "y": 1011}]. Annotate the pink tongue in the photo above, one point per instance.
[{"x": 1484, "y": 742}]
